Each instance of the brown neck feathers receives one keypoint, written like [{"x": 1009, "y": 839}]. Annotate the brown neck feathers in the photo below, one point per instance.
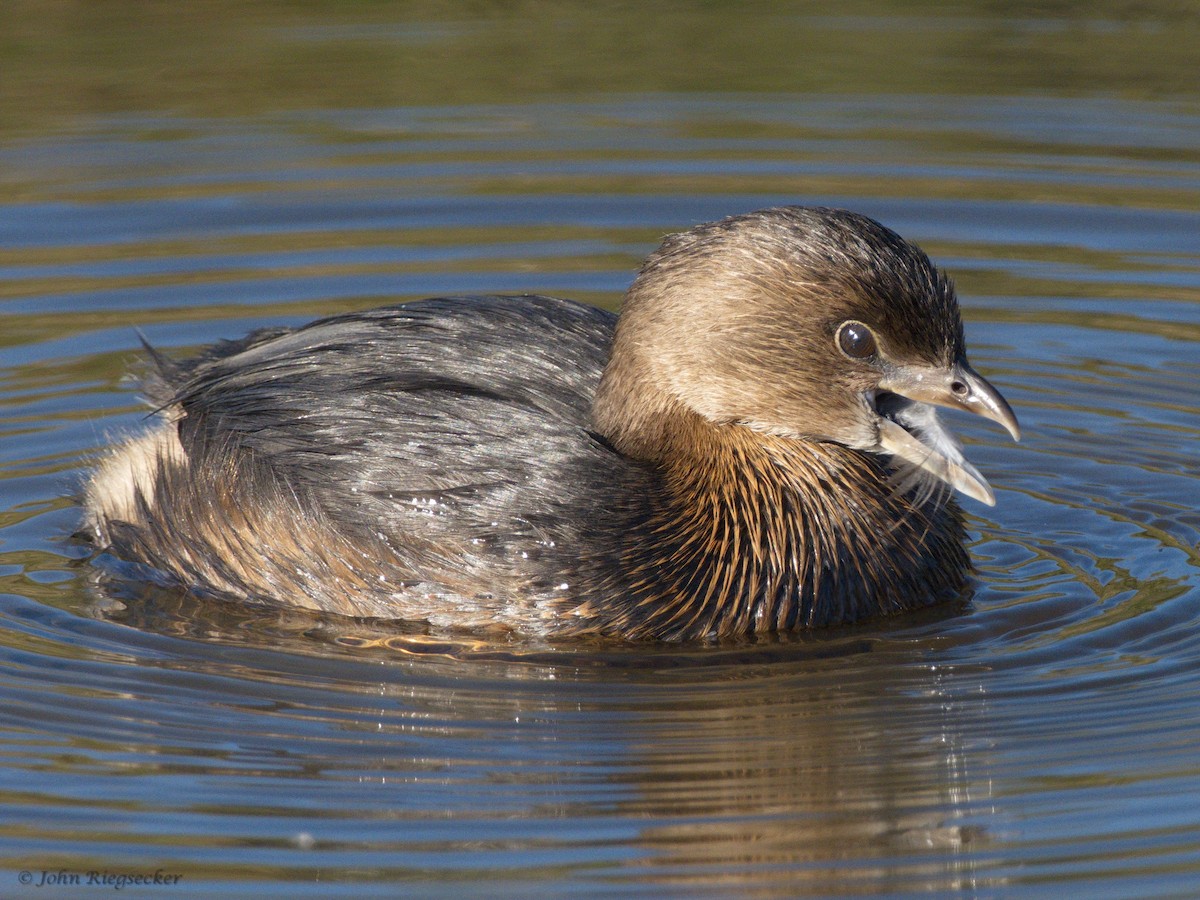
[{"x": 749, "y": 532}]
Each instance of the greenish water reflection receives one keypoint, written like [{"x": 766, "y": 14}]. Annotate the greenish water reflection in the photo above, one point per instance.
[{"x": 66, "y": 61}]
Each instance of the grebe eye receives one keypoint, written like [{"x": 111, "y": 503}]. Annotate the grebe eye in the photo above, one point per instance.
[{"x": 856, "y": 340}]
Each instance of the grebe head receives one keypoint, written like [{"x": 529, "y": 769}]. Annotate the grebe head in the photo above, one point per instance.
[{"x": 805, "y": 323}]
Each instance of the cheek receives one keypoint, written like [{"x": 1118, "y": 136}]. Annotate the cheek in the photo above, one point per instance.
[
  {"x": 834, "y": 416},
  {"x": 777, "y": 393},
  {"x": 828, "y": 414}
]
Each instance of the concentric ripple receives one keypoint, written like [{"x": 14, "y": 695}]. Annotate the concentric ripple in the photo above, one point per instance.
[{"x": 1041, "y": 736}]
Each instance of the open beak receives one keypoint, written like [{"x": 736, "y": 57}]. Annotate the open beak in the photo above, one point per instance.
[{"x": 909, "y": 427}]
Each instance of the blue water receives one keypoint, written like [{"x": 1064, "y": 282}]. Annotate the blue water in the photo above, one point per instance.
[{"x": 1042, "y": 739}]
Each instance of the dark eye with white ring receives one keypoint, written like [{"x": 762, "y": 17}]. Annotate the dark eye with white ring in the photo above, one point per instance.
[{"x": 856, "y": 340}]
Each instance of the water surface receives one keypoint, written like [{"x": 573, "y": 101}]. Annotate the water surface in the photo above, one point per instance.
[{"x": 1041, "y": 737}]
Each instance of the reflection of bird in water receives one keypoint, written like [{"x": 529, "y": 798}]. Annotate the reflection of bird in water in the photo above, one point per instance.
[{"x": 759, "y": 454}]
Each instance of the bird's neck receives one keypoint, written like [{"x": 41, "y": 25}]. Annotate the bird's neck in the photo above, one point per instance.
[{"x": 749, "y": 532}]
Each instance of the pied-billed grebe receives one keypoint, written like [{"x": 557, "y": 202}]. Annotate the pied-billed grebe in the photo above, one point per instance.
[{"x": 750, "y": 448}]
